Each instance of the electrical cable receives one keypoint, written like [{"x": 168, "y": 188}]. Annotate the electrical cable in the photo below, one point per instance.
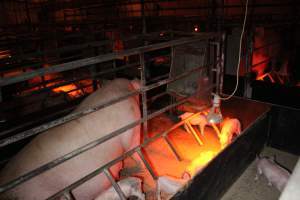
[{"x": 239, "y": 59}]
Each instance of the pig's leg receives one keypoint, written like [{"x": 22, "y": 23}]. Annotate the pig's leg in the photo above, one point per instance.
[
  {"x": 216, "y": 129},
  {"x": 186, "y": 128},
  {"x": 201, "y": 128},
  {"x": 194, "y": 134},
  {"x": 258, "y": 173},
  {"x": 230, "y": 138},
  {"x": 158, "y": 190},
  {"x": 269, "y": 184}
]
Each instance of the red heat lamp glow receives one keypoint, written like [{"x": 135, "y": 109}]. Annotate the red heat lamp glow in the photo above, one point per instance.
[
  {"x": 261, "y": 78},
  {"x": 196, "y": 29}
]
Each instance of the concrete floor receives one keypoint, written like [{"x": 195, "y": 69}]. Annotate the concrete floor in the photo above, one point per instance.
[{"x": 246, "y": 188}]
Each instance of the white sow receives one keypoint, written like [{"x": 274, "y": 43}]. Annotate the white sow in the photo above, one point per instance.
[{"x": 63, "y": 139}]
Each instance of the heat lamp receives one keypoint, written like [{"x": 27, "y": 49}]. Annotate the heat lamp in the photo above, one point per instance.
[{"x": 215, "y": 116}]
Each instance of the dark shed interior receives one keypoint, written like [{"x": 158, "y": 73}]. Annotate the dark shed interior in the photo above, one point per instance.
[{"x": 127, "y": 80}]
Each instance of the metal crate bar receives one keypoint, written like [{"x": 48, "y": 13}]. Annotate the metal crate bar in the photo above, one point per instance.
[
  {"x": 178, "y": 157},
  {"x": 144, "y": 93},
  {"x": 70, "y": 81},
  {"x": 144, "y": 88},
  {"x": 115, "y": 185},
  {"x": 122, "y": 157},
  {"x": 82, "y": 149},
  {"x": 146, "y": 163},
  {"x": 72, "y": 116},
  {"x": 102, "y": 58}
]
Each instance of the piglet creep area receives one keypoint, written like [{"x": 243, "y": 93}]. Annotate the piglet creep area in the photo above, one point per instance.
[{"x": 213, "y": 169}]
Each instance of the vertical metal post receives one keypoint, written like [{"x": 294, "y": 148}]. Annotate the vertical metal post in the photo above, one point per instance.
[
  {"x": 28, "y": 15},
  {"x": 115, "y": 185},
  {"x": 173, "y": 110},
  {"x": 143, "y": 16},
  {"x": 148, "y": 166},
  {"x": 222, "y": 62},
  {"x": 2, "y": 117},
  {"x": 248, "y": 57},
  {"x": 1, "y": 99},
  {"x": 144, "y": 94},
  {"x": 218, "y": 70},
  {"x": 114, "y": 67}
]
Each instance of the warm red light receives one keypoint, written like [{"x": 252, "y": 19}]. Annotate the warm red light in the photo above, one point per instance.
[
  {"x": 196, "y": 29},
  {"x": 160, "y": 60},
  {"x": 259, "y": 69},
  {"x": 67, "y": 89},
  {"x": 5, "y": 54}
]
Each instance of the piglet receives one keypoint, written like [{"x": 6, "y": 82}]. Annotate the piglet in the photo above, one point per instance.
[
  {"x": 131, "y": 187},
  {"x": 275, "y": 174},
  {"x": 229, "y": 128},
  {"x": 168, "y": 186}
]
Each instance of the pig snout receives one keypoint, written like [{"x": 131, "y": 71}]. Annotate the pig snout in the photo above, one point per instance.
[{"x": 274, "y": 173}]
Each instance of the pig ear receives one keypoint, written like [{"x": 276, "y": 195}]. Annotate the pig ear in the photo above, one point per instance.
[{"x": 136, "y": 83}]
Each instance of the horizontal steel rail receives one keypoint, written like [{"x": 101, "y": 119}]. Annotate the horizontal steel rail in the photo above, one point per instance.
[
  {"x": 125, "y": 155},
  {"x": 72, "y": 116},
  {"x": 101, "y": 58},
  {"x": 69, "y": 81},
  {"x": 82, "y": 149}
]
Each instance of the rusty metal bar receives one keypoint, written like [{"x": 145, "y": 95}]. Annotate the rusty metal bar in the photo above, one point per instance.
[
  {"x": 101, "y": 58},
  {"x": 144, "y": 94},
  {"x": 222, "y": 62},
  {"x": 172, "y": 148},
  {"x": 146, "y": 163},
  {"x": 152, "y": 99},
  {"x": 62, "y": 120},
  {"x": 81, "y": 149},
  {"x": 169, "y": 80},
  {"x": 136, "y": 64},
  {"x": 92, "y": 174},
  {"x": 64, "y": 49},
  {"x": 218, "y": 68},
  {"x": 115, "y": 185},
  {"x": 72, "y": 116}
]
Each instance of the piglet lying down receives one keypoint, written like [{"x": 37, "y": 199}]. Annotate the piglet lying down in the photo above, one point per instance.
[{"x": 275, "y": 174}]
